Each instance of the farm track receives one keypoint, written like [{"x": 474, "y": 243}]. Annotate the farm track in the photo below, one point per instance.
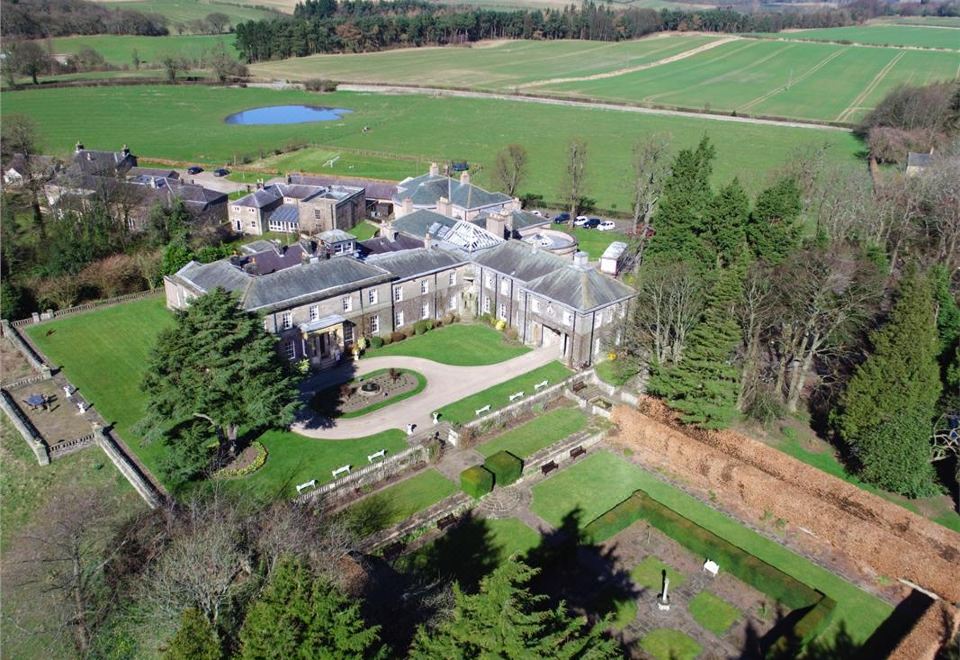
[
  {"x": 773, "y": 92},
  {"x": 632, "y": 69},
  {"x": 571, "y": 103},
  {"x": 861, "y": 97}
]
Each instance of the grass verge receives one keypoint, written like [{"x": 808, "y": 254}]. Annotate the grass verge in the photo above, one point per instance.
[
  {"x": 529, "y": 438},
  {"x": 460, "y": 344},
  {"x": 713, "y": 613},
  {"x": 669, "y": 644},
  {"x": 398, "y": 502}
]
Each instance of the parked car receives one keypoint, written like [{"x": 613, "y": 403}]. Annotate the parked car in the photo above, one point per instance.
[
  {"x": 607, "y": 225},
  {"x": 562, "y": 218},
  {"x": 194, "y": 169},
  {"x": 221, "y": 171},
  {"x": 581, "y": 221},
  {"x": 537, "y": 213},
  {"x": 592, "y": 223}
]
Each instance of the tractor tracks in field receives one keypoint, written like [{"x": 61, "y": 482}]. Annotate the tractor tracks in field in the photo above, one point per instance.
[{"x": 872, "y": 85}]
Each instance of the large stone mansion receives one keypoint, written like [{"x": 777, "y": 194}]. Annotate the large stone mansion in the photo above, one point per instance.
[{"x": 322, "y": 293}]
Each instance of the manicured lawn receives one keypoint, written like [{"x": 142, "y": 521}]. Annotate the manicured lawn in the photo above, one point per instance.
[
  {"x": 498, "y": 396},
  {"x": 330, "y": 397},
  {"x": 531, "y": 437},
  {"x": 365, "y": 230},
  {"x": 713, "y": 613},
  {"x": 614, "y": 372},
  {"x": 460, "y": 344},
  {"x": 669, "y": 644},
  {"x": 186, "y": 124},
  {"x": 512, "y": 537},
  {"x": 594, "y": 242},
  {"x": 294, "y": 459},
  {"x": 649, "y": 573},
  {"x": 601, "y": 480},
  {"x": 104, "y": 354},
  {"x": 400, "y": 501}
]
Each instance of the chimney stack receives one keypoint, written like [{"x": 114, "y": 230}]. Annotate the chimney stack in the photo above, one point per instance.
[
  {"x": 79, "y": 147},
  {"x": 497, "y": 224},
  {"x": 428, "y": 241},
  {"x": 386, "y": 230},
  {"x": 434, "y": 169},
  {"x": 407, "y": 206},
  {"x": 464, "y": 178},
  {"x": 125, "y": 150},
  {"x": 581, "y": 260},
  {"x": 443, "y": 207}
]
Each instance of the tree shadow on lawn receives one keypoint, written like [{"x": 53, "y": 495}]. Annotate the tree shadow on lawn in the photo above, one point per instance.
[
  {"x": 759, "y": 646},
  {"x": 320, "y": 396}
]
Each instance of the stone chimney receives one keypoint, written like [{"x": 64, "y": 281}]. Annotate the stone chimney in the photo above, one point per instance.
[
  {"x": 443, "y": 207},
  {"x": 387, "y": 231},
  {"x": 434, "y": 169},
  {"x": 407, "y": 206},
  {"x": 581, "y": 260},
  {"x": 513, "y": 205},
  {"x": 125, "y": 151},
  {"x": 464, "y": 178},
  {"x": 77, "y": 149},
  {"x": 428, "y": 241},
  {"x": 497, "y": 224}
]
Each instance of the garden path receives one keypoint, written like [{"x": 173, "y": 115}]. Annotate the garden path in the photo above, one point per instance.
[{"x": 445, "y": 385}]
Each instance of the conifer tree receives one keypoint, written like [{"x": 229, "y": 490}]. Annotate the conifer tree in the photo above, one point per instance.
[
  {"x": 195, "y": 639},
  {"x": 302, "y": 616},
  {"x": 726, "y": 222},
  {"x": 773, "y": 230},
  {"x": 217, "y": 363},
  {"x": 887, "y": 410},
  {"x": 505, "y": 620},
  {"x": 680, "y": 220},
  {"x": 704, "y": 384}
]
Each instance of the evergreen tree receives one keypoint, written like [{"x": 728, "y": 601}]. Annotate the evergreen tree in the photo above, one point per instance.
[
  {"x": 217, "y": 363},
  {"x": 726, "y": 222},
  {"x": 302, "y": 616},
  {"x": 948, "y": 312},
  {"x": 681, "y": 217},
  {"x": 704, "y": 384},
  {"x": 195, "y": 639},
  {"x": 889, "y": 405},
  {"x": 773, "y": 230},
  {"x": 505, "y": 620}
]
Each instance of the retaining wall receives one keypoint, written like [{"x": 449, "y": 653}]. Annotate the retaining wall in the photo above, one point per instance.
[
  {"x": 128, "y": 469},
  {"x": 878, "y": 536},
  {"x": 50, "y": 315},
  {"x": 25, "y": 428},
  {"x": 328, "y": 494}
]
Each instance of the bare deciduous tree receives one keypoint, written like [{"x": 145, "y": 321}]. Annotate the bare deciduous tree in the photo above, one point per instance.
[
  {"x": 510, "y": 168},
  {"x": 650, "y": 169},
  {"x": 753, "y": 312},
  {"x": 576, "y": 173}
]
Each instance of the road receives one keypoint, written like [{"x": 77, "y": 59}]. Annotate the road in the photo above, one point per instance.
[
  {"x": 596, "y": 105},
  {"x": 445, "y": 385}
]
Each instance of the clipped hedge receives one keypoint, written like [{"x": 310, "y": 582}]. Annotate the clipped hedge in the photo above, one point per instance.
[
  {"x": 476, "y": 481},
  {"x": 506, "y": 467},
  {"x": 743, "y": 565},
  {"x": 376, "y": 342}
]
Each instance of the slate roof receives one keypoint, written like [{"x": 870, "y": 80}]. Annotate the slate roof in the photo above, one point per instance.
[
  {"x": 450, "y": 233},
  {"x": 282, "y": 288},
  {"x": 153, "y": 172},
  {"x": 922, "y": 159},
  {"x": 420, "y": 222},
  {"x": 382, "y": 244},
  {"x": 272, "y": 258},
  {"x": 261, "y": 198},
  {"x": 285, "y": 213},
  {"x": 584, "y": 289},
  {"x": 89, "y": 161},
  {"x": 405, "y": 264},
  {"x": 336, "y": 236},
  {"x": 521, "y": 261},
  {"x": 373, "y": 189},
  {"x": 427, "y": 189}
]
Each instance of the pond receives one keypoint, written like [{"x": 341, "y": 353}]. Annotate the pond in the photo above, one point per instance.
[{"x": 285, "y": 114}]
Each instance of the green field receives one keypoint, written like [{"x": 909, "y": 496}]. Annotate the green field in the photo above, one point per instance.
[
  {"x": 500, "y": 65},
  {"x": 183, "y": 11},
  {"x": 795, "y": 80},
  {"x": 882, "y": 34},
  {"x": 461, "y": 344},
  {"x": 186, "y": 124},
  {"x": 118, "y": 49},
  {"x": 602, "y": 480}
]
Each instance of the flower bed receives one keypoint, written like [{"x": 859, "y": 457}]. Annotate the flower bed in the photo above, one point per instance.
[{"x": 249, "y": 461}]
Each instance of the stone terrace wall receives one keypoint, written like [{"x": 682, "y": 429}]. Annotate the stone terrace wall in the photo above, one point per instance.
[{"x": 877, "y": 535}]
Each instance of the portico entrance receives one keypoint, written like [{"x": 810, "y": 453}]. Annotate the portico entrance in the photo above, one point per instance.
[{"x": 325, "y": 340}]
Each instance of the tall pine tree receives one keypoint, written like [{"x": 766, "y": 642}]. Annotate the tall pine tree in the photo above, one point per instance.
[
  {"x": 726, "y": 223},
  {"x": 887, "y": 410},
  {"x": 302, "y": 616},
  {"x": 681, "y": 217},
  {"x": 217, "y": 363},
  {"x": 505, "y": 620},
  {"x": 773, "y": 230},
  {"x": 195, "y": 639},
  {"x": 704, "y": 384}
]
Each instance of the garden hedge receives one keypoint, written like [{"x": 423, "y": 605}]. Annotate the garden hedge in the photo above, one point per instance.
[
  {"x": 743, "y": 565},
  {"x": 476, "y": 481},
  {"x": 506, "y": 467}
]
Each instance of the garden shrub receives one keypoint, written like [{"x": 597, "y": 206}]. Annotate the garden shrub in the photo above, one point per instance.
[
  {"x": 476, "y": 481},
  {"x": 422, "y": 326},
  {"x": 408, "y": 332},
  {"x": 743, "y": 565},
  {"x": 396, "y": 336},
  {"x": 506, "y": 467},
  {"x": 387, "y": 340},
  {"x": 257, "y": 463},
  {"x": 449, "y": 318},
  {"x": 500, "y": 324},
  {"x": 376, "y": 342},
  {"x": 512, "y": 334}
]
